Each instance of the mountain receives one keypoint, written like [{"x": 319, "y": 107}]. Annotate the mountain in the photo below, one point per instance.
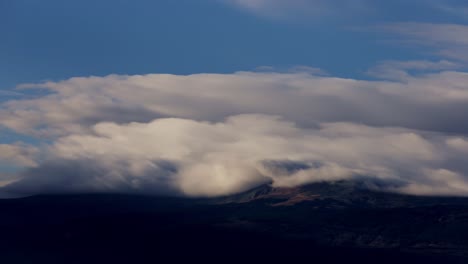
[
  {"x": 348, "y": 213},
  {"x": 324, "y": 222},
  {"x": 339, "y": 194}
]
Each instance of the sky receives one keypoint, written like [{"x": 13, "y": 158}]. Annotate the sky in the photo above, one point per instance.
[{"x": 213, "y": 97}]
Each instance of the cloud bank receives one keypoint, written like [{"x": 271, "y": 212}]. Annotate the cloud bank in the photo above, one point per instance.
[
  {"x": 219, "y": 134},
  {"x": 434, "y": 101}
]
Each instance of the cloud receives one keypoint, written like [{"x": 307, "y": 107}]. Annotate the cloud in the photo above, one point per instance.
[
  {"x": 218, "y": 134},
  {"x": 18, "y": 154},
  {"x": 196, "y": 158},
  {"x": 458, "y": 10},
  {"x": 294, "y": 69},
  {"x": 90, "y": 176},
  {"x": 404, "y": 70},
  {"x": 6, "y": 178},
  {"x": 7, "y": 93},
  {"x": 449, "y": 40},
  {"x": 353, "y": 11},
  {"x": 300, "y": 8},
  {"x": 435, "y": 101},
  {"x": 438, "y": 182},
  {"x": 458, "y": 143}
]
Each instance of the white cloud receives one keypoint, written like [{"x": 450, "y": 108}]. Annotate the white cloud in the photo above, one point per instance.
[
  {"x": 210, "y": 159},
  {"x": 18, "y": 154},
  {"x": 439, "y": 182},
  {"x": 78, "y": 103},
  {"x": 458, "y": 144},
  {"x": 216, "y": 134}
]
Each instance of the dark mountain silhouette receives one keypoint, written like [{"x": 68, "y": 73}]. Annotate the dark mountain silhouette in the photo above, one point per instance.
[{"x": 323, "y": 222}]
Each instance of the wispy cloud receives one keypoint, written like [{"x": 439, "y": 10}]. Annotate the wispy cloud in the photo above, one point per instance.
[
  {"x": 8, "y": 93},
  {"x": 459, "y": 10},
  {"x": 404, "y": 70},
  {"x": 448, "y": 40},
  {"x": 349, "y": 10},
  {"x": 310, "y": 9}
]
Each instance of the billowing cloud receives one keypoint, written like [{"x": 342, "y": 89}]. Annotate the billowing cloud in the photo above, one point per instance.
[
  {"x": 435, "y": 101},
  {"x": 218, "y": 134},
  {"x": 198, "y": 158}
]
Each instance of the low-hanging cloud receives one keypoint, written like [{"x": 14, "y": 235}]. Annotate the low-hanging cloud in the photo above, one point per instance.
[
  {"x": 208, "y": 159},
  {"x": 218, "y": 134}
]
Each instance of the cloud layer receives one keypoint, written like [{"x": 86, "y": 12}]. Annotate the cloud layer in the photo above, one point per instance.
[
  {"x": 434, "y": 101},
  {"x": 218, "y": 134}
]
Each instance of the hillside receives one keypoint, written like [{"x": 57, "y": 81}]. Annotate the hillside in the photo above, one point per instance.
[{"x": 332, "y": 222}]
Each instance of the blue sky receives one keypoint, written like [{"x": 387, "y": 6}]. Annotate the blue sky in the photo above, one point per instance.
[
  {"x": 195, "y": 97},
  {"x": 55, "y": 39}
]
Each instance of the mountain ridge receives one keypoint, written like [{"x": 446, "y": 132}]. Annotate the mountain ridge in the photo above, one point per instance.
[{"x": 339, "y": 216}]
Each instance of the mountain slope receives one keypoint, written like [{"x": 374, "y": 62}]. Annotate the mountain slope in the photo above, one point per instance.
[{"x": 331, "y": 222}]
